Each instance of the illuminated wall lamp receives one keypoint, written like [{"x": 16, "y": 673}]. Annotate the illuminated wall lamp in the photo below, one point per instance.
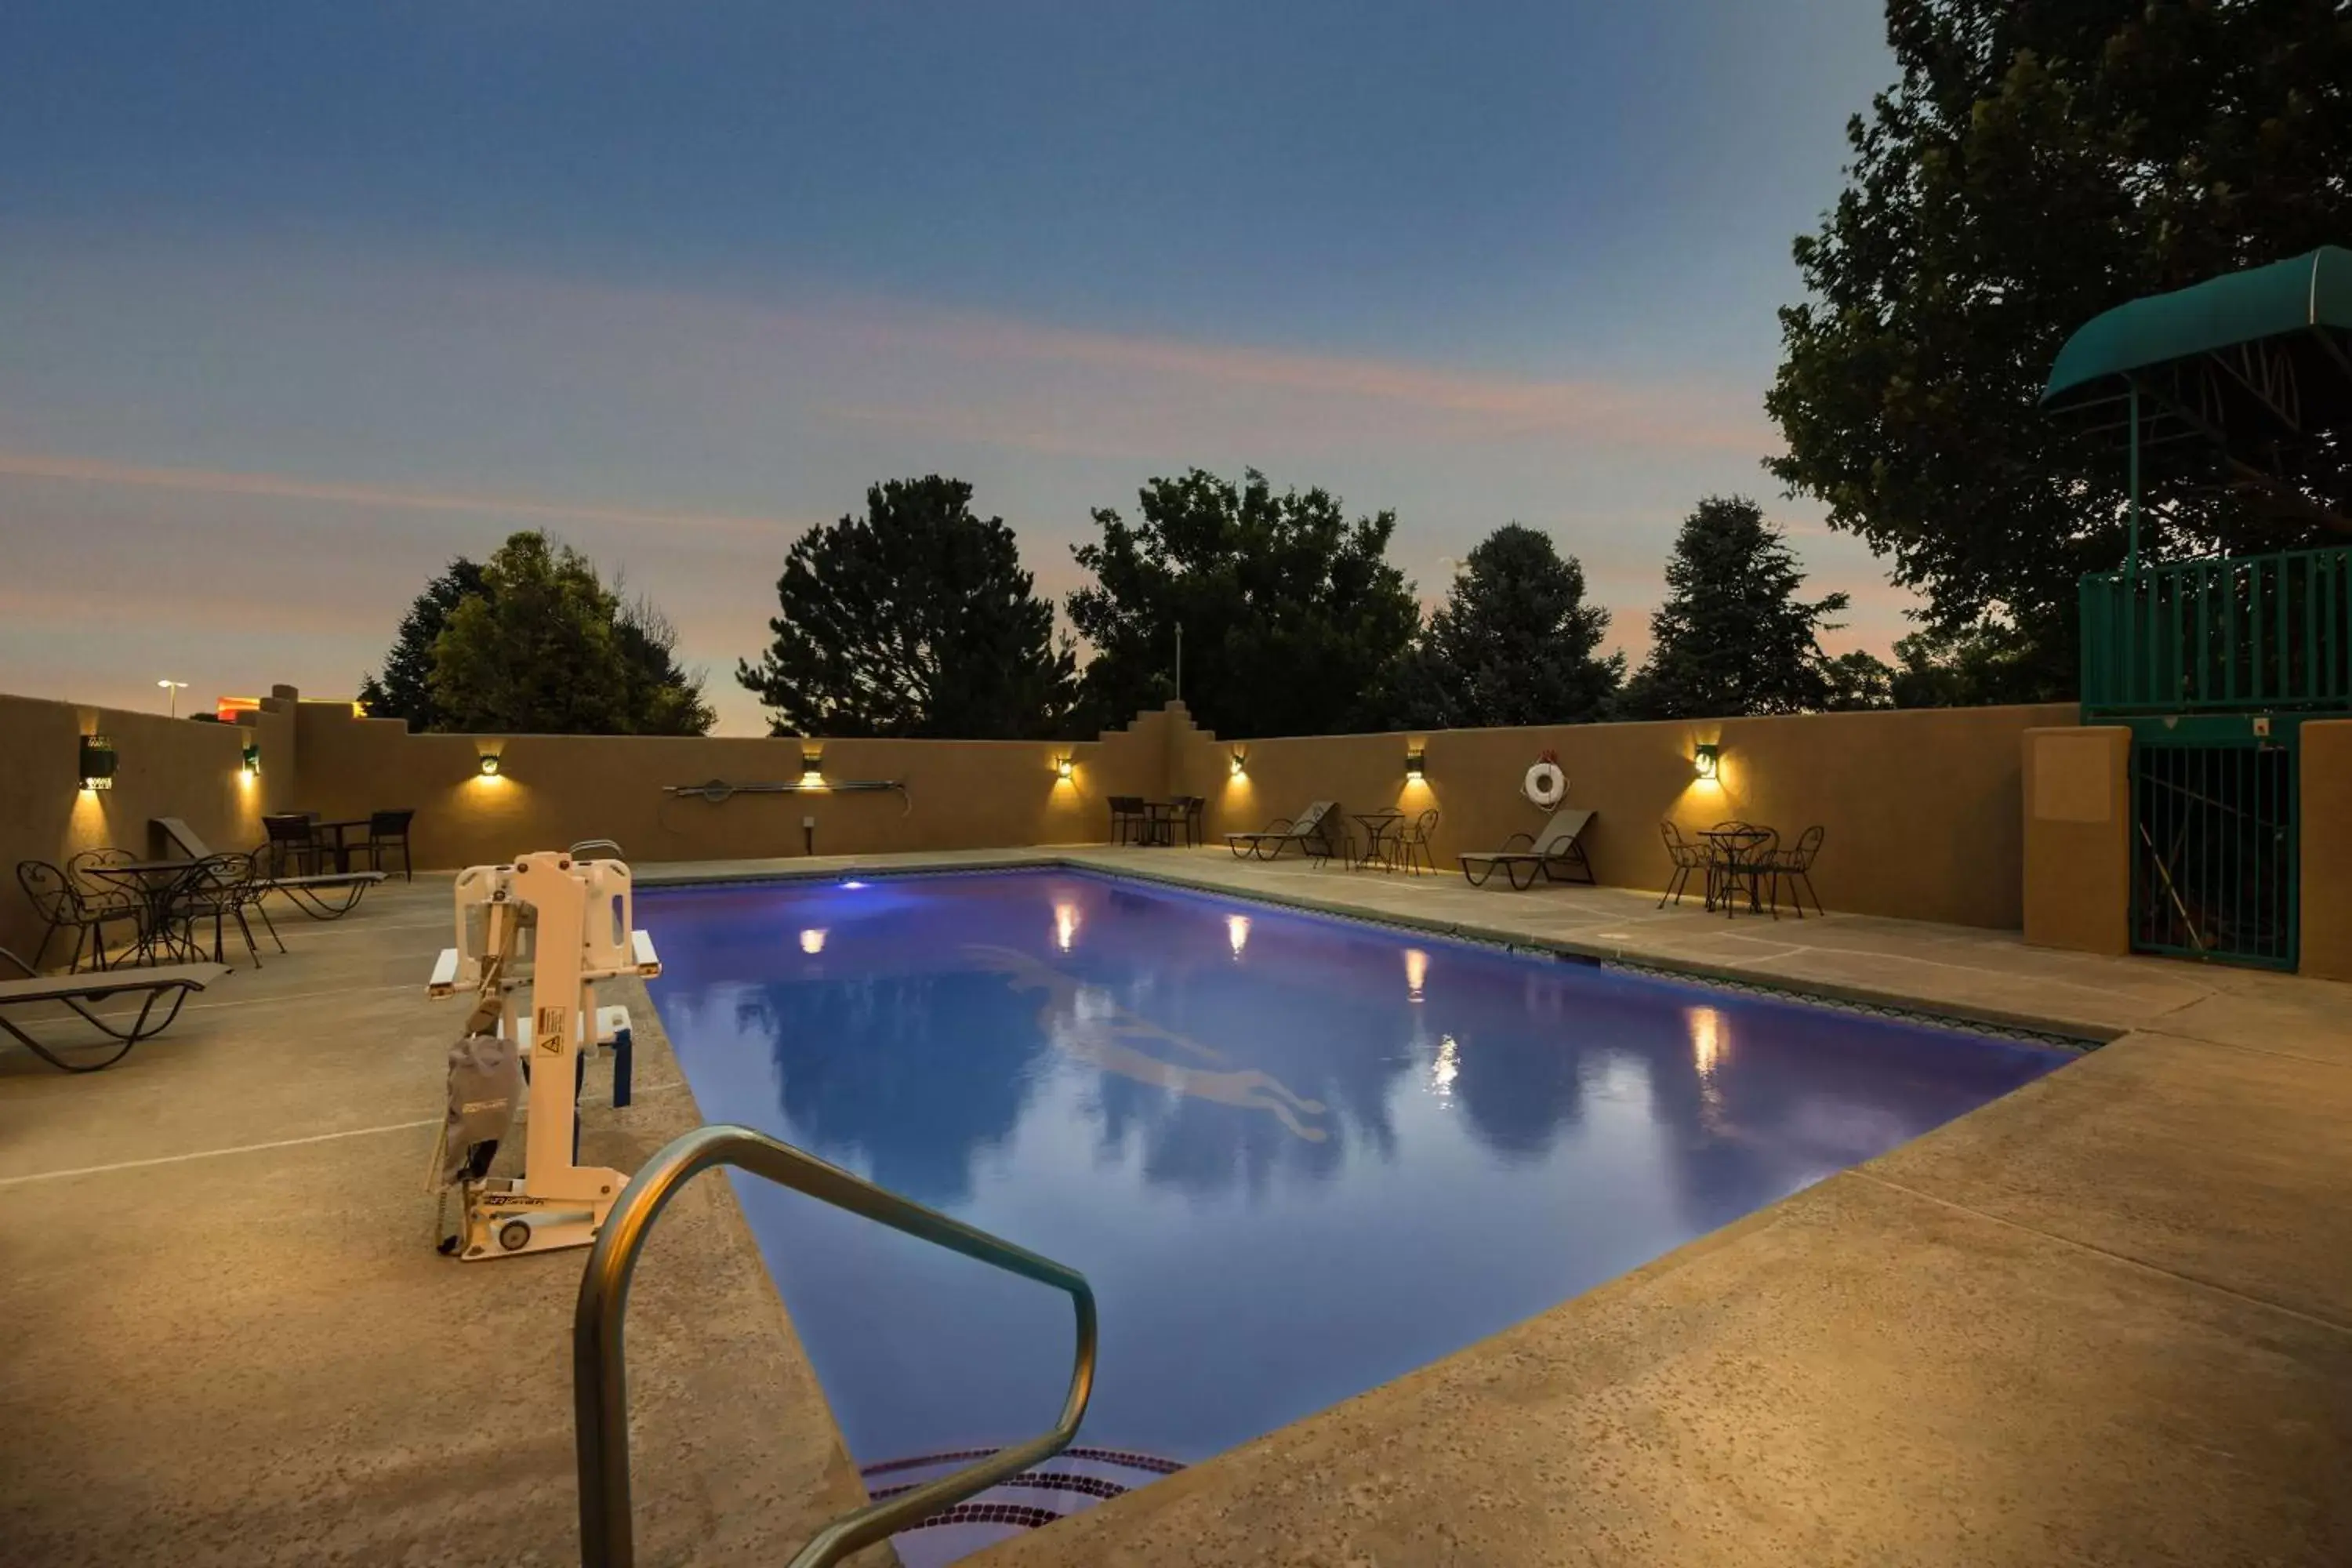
[
  {"x": 490, "y": 765},
  {"x": 1705, "y": 759},
  {"x": 1237, "y": 764},
  {"x": 812, "y": 768},
  {"x": 250, "y": 759},
  {"x": 98, "y": 762},
  {"x": 1062, "y": 767},
  {"x": 1416, "y": 764}
]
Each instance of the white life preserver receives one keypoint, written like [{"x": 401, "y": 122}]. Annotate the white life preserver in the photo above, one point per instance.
[{"x": 1546, "y": 784}]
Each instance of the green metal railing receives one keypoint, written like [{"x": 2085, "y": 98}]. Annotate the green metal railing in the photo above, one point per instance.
[
  {"x": 600, "y": 1380},
  {"x": 2243, "y": 633}
]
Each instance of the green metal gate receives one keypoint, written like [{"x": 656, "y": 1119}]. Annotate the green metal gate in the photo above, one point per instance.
[{"x": 2214, "y": 857}]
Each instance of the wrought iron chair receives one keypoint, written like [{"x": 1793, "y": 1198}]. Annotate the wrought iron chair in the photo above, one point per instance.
[
  {"x": 1413, "y": 842},
  {"x": 1795, "y": 867},
  {"x": 221, "y": 889},
  {"x": 387, "y": 830},
  {"x": 1687, "y": 857},
  {"x": 1127, "y": 824},
  {"x": 1188, "y": 809},
  {"x": 62, "y": 906},
  {"x": 294, "y": 842}
]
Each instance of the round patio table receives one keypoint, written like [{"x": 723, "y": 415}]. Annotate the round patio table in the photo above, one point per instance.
[
  {"x": 157, "y": 885},
  {"x": 1735, "y": 860},
  {"x": 1379, "y": 825}
]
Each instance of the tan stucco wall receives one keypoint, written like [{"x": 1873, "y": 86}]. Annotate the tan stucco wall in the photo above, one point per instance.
[
  {"x": 553, "y": 790},
  {"x": 2326, "y": 874},
  {"x": 1920, "y": 806},
  {"x": 2077, "y": 814},
  {"x": 166, "y": 767}
]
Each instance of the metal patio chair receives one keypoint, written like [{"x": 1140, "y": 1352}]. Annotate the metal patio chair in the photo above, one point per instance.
[
  {"x": 1794, "y": 865},
  {"x": 387, "y": 830},
  {"x": 62, "y": 905},
  {"x": 1687, "y": 857}
]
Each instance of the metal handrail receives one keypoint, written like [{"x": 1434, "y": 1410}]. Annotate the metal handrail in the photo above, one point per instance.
[{"x": 600, "y": 1382}]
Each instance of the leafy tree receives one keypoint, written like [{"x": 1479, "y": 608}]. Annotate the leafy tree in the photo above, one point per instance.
[
  {"x": 1515, "y": 643},
  {"x": 1992, "y": 662},
  {"x": 404, "y": 689},
  {"x": 915, "y": 619},
  {"x": 1733, "y": 637},
  {"x": 1293, "y": 618},
  {"x": 1856, "y": 680},
  {"x": 545, "y": 648},
  {"x": 2037, "y": 163}
]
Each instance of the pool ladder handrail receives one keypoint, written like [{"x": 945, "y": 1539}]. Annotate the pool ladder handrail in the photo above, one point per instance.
[{"x": 600, "y": 1384}]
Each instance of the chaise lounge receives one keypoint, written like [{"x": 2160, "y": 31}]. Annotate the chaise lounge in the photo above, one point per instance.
[
  {"x": 324, "y": 896},
  {"x": 1315, "y": 831},
  {"x": 156, "y": 983},
  {"x": 1553, "y": 854}
]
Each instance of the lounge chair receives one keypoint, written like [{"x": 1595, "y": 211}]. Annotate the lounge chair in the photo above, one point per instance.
[
  {"x": 1315, "y": 831},
  {"x": 327, "y": 896},
  {"x": 155, "y": 984},
  {"x": 1553, "y": 854}
]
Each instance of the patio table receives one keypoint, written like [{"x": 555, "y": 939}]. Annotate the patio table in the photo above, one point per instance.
[
  {"x": 1379, "y": 826},
  {"x": 1732, "y": 845},
  {"x": 1159, "y": 821},
  {"x": 157, "y": 885}
]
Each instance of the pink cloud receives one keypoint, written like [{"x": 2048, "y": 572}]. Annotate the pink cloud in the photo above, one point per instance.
[{"x": 92, "y": 470}]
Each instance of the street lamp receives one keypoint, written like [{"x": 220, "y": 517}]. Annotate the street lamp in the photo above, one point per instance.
[{"x": 174, "y": 688}]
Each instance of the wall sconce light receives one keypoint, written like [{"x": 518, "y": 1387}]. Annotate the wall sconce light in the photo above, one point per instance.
[
  {"x": 98, "y": 762},
  {"x": 1237, "y": 763},
  {"x": 251, "y": 760},
  {"x": 1705, "y": 759},
  {"x": 490, "y": 765},
  {"x": 1416, "y": 764},
  {"x": 1062, "y": 767},
  {"x": 812, "y": 768}
]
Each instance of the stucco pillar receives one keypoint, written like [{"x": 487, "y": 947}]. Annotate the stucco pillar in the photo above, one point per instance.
[
  {"x": 2078, "y": 839},
  {"x": 2326, "y": 811}
]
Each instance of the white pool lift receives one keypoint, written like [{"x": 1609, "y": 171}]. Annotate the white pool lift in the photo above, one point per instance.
[{"x": 542, "y": 932}]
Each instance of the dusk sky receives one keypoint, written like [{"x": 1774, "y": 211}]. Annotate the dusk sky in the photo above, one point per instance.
[{"x": 300, "y": 301}]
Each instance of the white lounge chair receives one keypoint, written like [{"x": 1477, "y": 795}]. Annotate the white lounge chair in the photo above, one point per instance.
[
  {"x": 1554, "y": 855},
  {"x": 155, "y": 982}
]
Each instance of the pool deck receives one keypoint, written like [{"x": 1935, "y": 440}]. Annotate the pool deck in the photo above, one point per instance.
[{"x": 2105, "y": 1319}]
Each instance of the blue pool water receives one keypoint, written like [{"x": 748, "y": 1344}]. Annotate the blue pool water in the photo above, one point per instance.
[{"x": 1296, "y": 1157}]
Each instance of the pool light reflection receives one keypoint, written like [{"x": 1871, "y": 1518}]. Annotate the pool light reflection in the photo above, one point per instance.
[
  {"x": 1708, "y": 1038},
  {"x": 1445, "y": 1068},
  {"x": 1416, "y": 971},
  {"x": 1237, "y": 932},
  {"x": 812, "y": 941},
  {"x": 1065, "y": 925}
]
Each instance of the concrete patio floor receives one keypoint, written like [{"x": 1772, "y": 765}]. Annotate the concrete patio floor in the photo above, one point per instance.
[{"x": 2107, "y": 1319}]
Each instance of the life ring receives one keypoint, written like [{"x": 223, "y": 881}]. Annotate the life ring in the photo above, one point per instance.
[{"x": 1546, "y": 784}]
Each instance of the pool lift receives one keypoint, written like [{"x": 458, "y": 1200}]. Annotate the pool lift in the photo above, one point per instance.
[{"x": 533, "y": 938}]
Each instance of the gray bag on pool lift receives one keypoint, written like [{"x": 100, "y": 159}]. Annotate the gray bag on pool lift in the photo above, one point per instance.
[{"x": 484, "y": 1087}]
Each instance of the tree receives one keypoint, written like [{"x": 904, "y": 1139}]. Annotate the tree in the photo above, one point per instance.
[
  {"x": 404, "y": 690},
  {"x": 1732, "y": 636},
  {"x": 545, "y": 648},
  {"x": 915, "y": 619},
  {"x": 2038, "y": 163},
  {"x": 1515, "y": 643},
  {"x": 1856, "y": 680},
  {"x": 1989, "y": 662},
  {"x": 1293, "y": 618}
]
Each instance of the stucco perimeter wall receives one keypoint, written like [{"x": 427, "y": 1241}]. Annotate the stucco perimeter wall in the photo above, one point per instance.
[
  {"x": 2077, "y": 810},
  {"x": 554, "y": 790},
  {"x": 2326, "y": 830},
  {"x": 164, "y": 767},
  {"x": 1921, "y": 807}
]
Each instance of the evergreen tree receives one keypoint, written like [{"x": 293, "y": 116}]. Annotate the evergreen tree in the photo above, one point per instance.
[
  {"x": 404, "y": 689},
  {"x": 1732, "y": 636},
  {"x": 914, "y": 619},
  {"x": 1515, "y": 643},
  {"x": 1293, "y": 618}
]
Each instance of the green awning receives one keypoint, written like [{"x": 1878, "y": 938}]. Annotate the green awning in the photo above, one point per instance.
[{"x": 2284, "y": 298}]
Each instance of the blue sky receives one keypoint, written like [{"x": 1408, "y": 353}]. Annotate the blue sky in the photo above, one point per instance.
[{"x": 296, "y": 301}]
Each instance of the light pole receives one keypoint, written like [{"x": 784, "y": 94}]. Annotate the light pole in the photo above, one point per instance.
[{"x": 174, "y": 688}]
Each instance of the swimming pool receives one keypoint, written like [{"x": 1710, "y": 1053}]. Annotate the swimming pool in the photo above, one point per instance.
[{"x": 1296, "y": 1156}]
